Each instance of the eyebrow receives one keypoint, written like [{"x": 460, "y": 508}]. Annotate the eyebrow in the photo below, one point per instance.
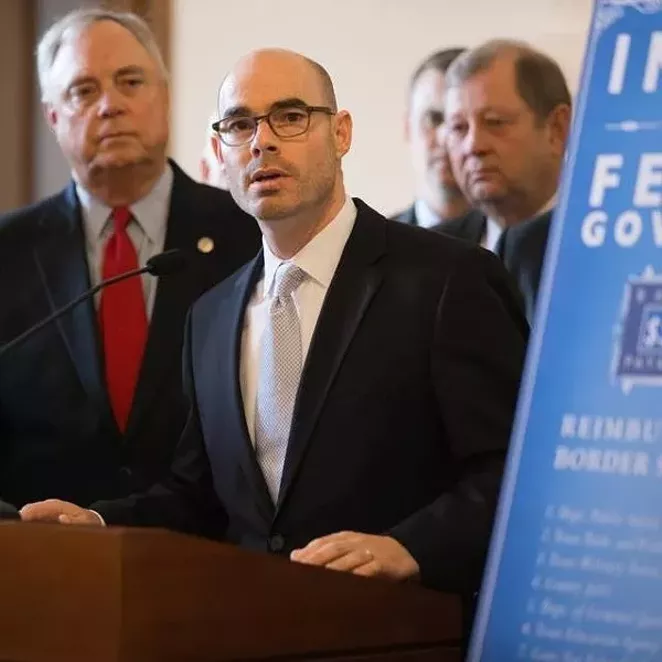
[
  {"x": 80, "y": 80},
  {"x": 129, "y": 70},
  {"x": 498, "y": 110},
  {"x": 245, "y": 111},
  {"x": 123, "y": 71}
]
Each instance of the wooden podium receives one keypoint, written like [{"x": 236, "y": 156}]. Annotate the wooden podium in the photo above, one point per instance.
[{"x": 74, "y": 594}]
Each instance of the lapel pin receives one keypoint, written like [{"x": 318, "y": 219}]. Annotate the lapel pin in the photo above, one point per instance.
[{"x": 205, "y": 244}]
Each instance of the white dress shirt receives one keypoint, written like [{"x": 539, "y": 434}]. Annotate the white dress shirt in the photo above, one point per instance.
[
  {"x": 319, "y": 259},
  {"x": 425, "y": 216},
  {"x": 491, "y": 234},
  {"x": 147, "y": 231}
]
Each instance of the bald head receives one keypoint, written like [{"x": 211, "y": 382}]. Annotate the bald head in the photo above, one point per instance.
[
  {"x": 278, "y": 69},
  {"x": 278, "y": 118}
]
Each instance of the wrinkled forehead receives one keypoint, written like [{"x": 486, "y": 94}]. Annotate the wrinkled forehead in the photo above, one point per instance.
[
  {"x": 258, "y": 83},
  {"x": 493, "y": 86},
  {"x": 98, "y": 49}
]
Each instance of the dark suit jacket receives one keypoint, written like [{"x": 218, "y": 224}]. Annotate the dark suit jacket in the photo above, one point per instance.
[
  {"x": 522, "y": 249},
  {"x": 58, "y": 437},
  {"x": 469, "y": 227},
  {"x": 403, "y": 415}
]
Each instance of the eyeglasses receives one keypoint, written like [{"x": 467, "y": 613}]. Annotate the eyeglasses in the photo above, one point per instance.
[{"x": 285, "y": 122}]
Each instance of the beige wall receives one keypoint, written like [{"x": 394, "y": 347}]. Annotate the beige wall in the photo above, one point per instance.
[
  {"x": 370, "y": 48},
  {"x": 16, "y": 37}
]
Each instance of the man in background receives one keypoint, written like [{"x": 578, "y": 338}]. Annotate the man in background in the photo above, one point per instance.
[
  {"x": 439, "y": 203},
  {"x": 91, "y": 406},
  {"x": 508, "y": 111}
]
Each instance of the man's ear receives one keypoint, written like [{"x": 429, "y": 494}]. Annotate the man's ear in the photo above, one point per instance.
[
  {"x": 216, "y": 148},
  {"x": 50, "y": 115},
  {"x": 343, "y": 132},
  {"x": 559, "y": 122}
]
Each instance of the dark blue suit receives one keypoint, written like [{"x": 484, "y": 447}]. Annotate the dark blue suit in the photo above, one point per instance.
[
  {"x": 402, "y": 419},
  {"x": 522, "y": 249},
  {"x": 58, "y": 437}
]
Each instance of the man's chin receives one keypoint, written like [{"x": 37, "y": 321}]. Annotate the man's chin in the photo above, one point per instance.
[
  {"x": 270, "y": 208},
  {"x": 487, "y": 193},
  {"x": 450, "y": 187},
  {"x": 118, "y": 159}
]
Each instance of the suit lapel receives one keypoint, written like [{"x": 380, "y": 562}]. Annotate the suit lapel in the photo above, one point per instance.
[
  {"x": 62, "y": 264},
  {"x": 354, "y": 284},
  {"x": 474, "y": 227},
  {"x": 230, "y": 417},
  {"x": 409, "y": 216}
]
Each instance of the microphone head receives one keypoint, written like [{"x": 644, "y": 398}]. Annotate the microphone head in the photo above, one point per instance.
[
  {"x": 7, "y": 511},
  {"x": 168, "y": 262}
]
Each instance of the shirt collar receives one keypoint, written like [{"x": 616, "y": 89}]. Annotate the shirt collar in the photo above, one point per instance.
[
  {"x": 425, "y": 217},
  {"x": 492, "y": 233},
  {"x": 493, "y": 230},
  {"x": 319, "y": 258},
  {"x": 150, "y": 212}
]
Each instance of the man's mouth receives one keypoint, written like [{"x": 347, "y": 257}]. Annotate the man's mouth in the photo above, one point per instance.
[{"x": 267, "y": 175}]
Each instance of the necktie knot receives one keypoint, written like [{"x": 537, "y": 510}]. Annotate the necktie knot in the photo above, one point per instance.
[
  {"x": 121, "y": 217},
  {"x": 288, "y": 278}
]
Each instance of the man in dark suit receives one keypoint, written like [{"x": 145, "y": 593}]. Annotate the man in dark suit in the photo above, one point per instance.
[
  {"x": 362, "y": 422},
  {"x": 440, "y": 204},
  {"x": 522, "y": 249},
  {"x": 91, "y": 406},
  {"x": 508, "y": 113}
]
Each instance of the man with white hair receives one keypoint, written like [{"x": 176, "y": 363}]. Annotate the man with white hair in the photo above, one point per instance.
[{"x": 91, "y": 407}]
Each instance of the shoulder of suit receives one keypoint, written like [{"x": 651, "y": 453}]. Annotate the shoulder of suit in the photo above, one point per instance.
[
  {"x": 424, "y": 243},
  {"x": 532, "y": 228},
  {"x": 403, "y": 216},
  {"x": 28, "y": 219},
  {"x": 472, "y": 222},
  {"x": 225, "y": 289}
]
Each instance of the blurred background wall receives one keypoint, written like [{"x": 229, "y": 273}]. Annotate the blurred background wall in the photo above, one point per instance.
[
  {"x": 17, "y": 32},
  {"x": 369, "y": 46}
]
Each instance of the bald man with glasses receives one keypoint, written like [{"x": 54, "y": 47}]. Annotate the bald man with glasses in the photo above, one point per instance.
[{"x": 362, "y": 421}]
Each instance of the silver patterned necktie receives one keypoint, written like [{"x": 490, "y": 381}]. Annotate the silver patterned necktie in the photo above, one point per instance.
[{"x": 279, "y": 374}]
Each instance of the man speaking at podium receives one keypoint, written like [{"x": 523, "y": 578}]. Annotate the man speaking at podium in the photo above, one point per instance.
[
  {"x": 91, "y": 407},
  {"x": 348, "y": 407}
]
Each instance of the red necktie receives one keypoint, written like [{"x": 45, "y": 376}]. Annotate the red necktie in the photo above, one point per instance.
[{"x": 122, "y": 319}]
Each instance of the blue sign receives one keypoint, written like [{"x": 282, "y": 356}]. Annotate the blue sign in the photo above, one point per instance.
[{"x": 575, "y": 566}]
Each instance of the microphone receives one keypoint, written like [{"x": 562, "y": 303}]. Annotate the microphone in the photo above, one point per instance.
[
  {"x": 163, "y": 264},
  {"x": 7, "y": 511}
]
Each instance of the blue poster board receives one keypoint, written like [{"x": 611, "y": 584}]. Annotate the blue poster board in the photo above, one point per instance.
[{"x": 575, "y": 566}]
